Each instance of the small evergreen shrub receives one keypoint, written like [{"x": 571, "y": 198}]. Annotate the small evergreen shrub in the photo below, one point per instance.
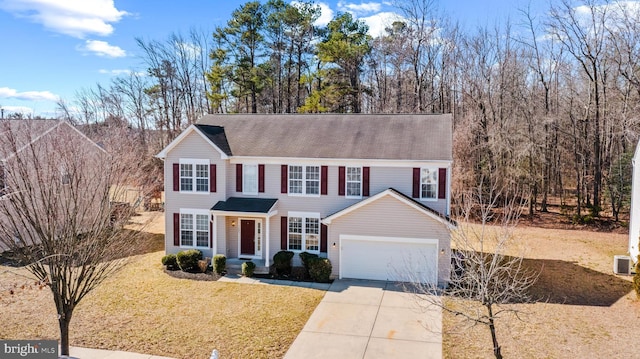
[
  {"x": 306, "y": 258},
  {"x": 248, "y": 268},
  {"x": 282, "y": 262},
  {"x": 320, "y": 270},
  {"x": 170, "y": 261},
  {"x": 219, "y": 263},
  {"x": 188, "y": 260}
]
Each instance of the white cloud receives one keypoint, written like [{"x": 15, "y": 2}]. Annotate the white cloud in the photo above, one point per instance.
[
  {"x": 118, "y": 72},
  {"x": 326, "y": 15},
  {"x": 77, "y": 18},
  {"x": 103, "y": 48},
  {"x": 378, "y": 22},
  {"x": 359, "y": 9},
  {"x": 10, "y": 93},
  {"x": 9, "y": 110}
]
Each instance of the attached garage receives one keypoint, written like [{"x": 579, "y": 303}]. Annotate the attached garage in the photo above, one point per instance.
[
  {"x": 390, "y": 237},
  {"x": 389, "y": 258}
]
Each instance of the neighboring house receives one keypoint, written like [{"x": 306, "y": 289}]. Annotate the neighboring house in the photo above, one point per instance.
[
  {"x": 50, "y": 145},
  {"x": 634, "y": 216},
  {"x": 369, "y": 192}
]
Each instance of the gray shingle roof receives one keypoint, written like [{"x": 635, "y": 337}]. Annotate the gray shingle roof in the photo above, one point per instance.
[
  {"x": 238, "y": 204},
  {"x": 359, "y": 136}
]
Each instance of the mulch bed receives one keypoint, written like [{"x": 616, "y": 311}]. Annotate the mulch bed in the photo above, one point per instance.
[{"x": 207, "y": 276}]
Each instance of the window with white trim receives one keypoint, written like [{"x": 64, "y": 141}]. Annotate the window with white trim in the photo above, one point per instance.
[
  {"x": 194, "y": 229},
  {"x": 353, "y": 182},
  {"x": 429, "y": 183},
  {"x": 250, "y": 179},
  {"x": 304, "y": 180},
  {"x": 304, "y": 234},
  {"x": 194, "y": 176}
]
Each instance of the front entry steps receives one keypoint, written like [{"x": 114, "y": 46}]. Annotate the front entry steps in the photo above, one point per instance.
[{"x": 234, "y": 265}]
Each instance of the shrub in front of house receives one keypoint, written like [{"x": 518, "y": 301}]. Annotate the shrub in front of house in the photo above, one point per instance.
[
  {"x": 248, "y": 268},
  {"x": 636, "y": 278},
  {"x": 320, "y": 270},
  {"x": 219, "y": 263},
  {"x": 188, "y": 260},
  {"x": 170, "y": 261},
  {"x": 307, "y": 258},
  {"x": 282, "y": 262}
]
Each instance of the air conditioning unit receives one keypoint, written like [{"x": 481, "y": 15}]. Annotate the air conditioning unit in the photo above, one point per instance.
[{"x": 622, "y": 264}]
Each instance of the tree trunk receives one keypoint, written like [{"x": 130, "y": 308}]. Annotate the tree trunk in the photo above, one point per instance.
[
  {"x": 63, "y": 323},
  {"x": 494, "y": 338}
]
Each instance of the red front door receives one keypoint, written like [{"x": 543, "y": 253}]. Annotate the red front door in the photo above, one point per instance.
[{"x": 247, "y": 237}]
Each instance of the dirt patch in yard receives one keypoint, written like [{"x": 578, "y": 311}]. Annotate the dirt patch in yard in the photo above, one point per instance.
[{"x": 583, "y": 309}]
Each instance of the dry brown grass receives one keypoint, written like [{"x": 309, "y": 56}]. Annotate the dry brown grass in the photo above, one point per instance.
[
  {"x": 584, "y": 310},
  {"x": 144, "y": 310}
]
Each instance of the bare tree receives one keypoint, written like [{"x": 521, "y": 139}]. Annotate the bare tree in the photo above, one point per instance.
[
  {"x": 56, "y": 211},
  {"x": 483, "y": 274}
]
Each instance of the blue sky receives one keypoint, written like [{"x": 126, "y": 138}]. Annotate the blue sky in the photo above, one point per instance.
[{"x": 50, "y": 49}]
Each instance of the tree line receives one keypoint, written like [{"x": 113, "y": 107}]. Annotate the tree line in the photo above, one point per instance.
[{"x": 548, "y": 102}]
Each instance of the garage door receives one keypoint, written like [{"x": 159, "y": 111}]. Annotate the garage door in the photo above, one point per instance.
[{"x": 385, "y": 258}]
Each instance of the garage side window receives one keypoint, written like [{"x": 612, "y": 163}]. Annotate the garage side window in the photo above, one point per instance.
[
  {"x": 304, "y": 234},
  {"x": 429, "y": 184}
]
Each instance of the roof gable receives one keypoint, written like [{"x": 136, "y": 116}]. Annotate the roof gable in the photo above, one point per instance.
[
  {"x": 339, "y": 136},
  {"x": 207, "y": 134},
  {"x": 400, "y": 197}
]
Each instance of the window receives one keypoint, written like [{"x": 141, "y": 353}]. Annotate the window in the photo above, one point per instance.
[
  {"x": 3, "y": 180},
  {"x": 194, "y": 229},
  {"x": 429, "y": 183},
  {"x": 304, "y": 233},
  {"x": 250, "y": 179},
  {"x": 304, "y": 180},
  {"x": 194, "y": 176},
  {"x": 65, "y": 176},
  {"x": 354, "y": 182}
]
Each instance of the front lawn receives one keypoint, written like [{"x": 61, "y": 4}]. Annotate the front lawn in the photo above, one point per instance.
[{"x": 142, "y": 309}]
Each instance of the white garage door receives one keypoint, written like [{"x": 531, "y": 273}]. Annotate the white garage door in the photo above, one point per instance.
[{"x": 385, "y": 258}]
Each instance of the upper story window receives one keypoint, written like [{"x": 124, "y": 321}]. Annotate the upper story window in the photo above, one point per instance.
[
  {"x": 304, "y": 180},
  {"x": 250, "y": 179},
  {"x": 3, "y": 180},
  {"x": 194, "y": 175},
  {"x": 353, "y": 182},
  {"x": 429, "y": 183}
]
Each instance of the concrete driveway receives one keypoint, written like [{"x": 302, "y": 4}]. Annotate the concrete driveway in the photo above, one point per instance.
[{"x": 369, "y": 319}]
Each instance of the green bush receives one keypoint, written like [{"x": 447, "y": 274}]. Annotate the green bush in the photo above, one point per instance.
[
  {"x": 170, "y": 261},
  {"x": 188, "y": 260},
  {"x": 219, "y": 263},
  {"x": 320, "y": 270},
  {"x": 282, "y": 262},
  {"x": 248, "y": 268},
  {"x": 306, "y": 258}
]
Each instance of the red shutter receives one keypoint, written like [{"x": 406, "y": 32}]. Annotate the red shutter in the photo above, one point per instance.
[
  {"x": 212, "y": 178},
  {"x": 260, "y": 178},
  {"x": 239, "y": 177},
  {"x": 416, "y": 183},
  {"x": 284, "y": 174},
  {"x": 176, "y": 229},
  {"x": 284, "y": 232},
  {"x": 323, "y": 238},
  {"x": 176, "y": 176},
  {"x": 210, "y": 235},
  {"x": 324, "y": 174},
  {"x": 442, "y": 183},
  {"x": 341, "y": 184},
  {"x": 365, "y": 181}
]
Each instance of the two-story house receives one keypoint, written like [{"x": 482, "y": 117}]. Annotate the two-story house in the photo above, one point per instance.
[{"x": 369, "y": 192}]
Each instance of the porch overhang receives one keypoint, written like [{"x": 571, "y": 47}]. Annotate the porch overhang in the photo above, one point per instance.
[{"x": 251, "y": 207}]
